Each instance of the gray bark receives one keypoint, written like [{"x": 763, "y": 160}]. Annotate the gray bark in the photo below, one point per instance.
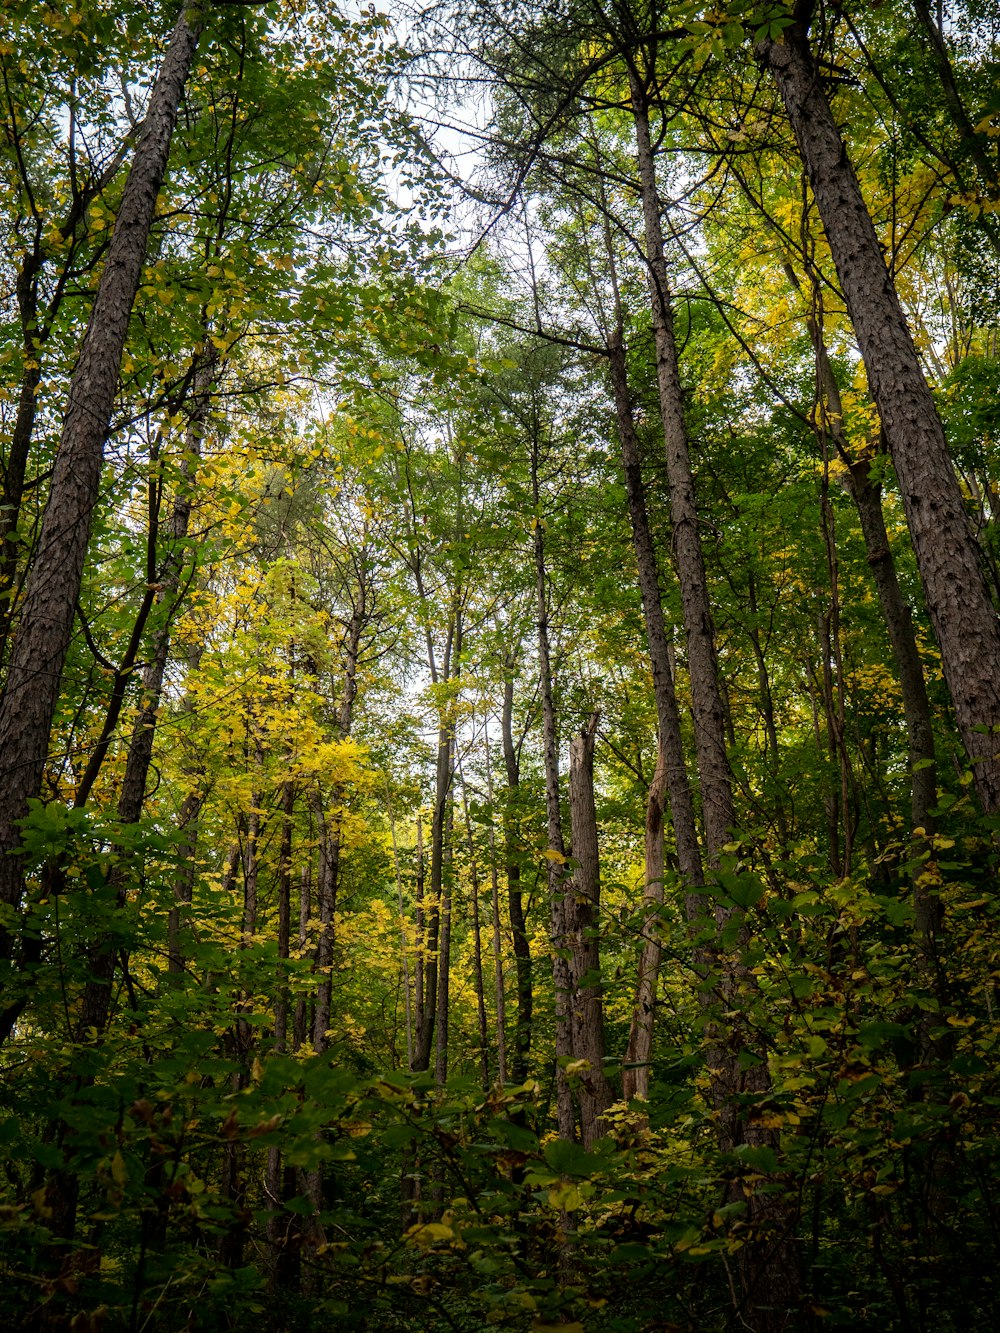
[
  {"x": 46, "y": 621},
  {"x": 477, "y": 949},
  {"x": 582, "y": 915},
  {"x": 707, "y": 706},
  {"x": 867, "y": 496},
  {"x": 948, "y": 558},
  {"x": 555, "y": 862},
  {"x": 670, "y": 780}
]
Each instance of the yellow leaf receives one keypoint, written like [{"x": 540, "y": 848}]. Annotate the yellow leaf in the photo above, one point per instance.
[
  {"x": 428, "y": 1233},
  {"x": 565, "y": 1197}
]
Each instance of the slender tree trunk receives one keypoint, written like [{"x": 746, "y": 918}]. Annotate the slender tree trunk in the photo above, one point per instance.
[
  {"x": 36, "y": 324},
  {"x": 496, "y": 937},
  {"x": 477, "y": 948},
  {"x": 327, "y": 885},
  {"x": 187, "y": 822},
  {"x": 404, "y": 944},
  {"x": 670, "y": 780},
  {"x": 768, "y": 1268},
  {"x": 866, "y": 494},
  {"x": 639, "y": 1051},
  {"x": 582, "y": 909},
  {"x": 948, "y": 558},
  {"x": 284, "y": 887},
  {"x": 46, "y": 620},
  {"x": 973, "y": 143},
  {"x": 140, "y": 751},
  {"x": 707, "y": 707},
  {"x": 300, "y": 1023},
  {"x": 667, "y": 712},
  {"x": 434, "y": 906},
  {"x": 280, "y": 1226},
  {"x": 556, "y": 849},
  {"x": 446, "y": 900},
  {"x": 420, "y": 922},
  {"x": 328, "y": 823},
  {"x": 772, "y": 753},
  {"x": 515, "y": 900},
  {"x": 899, "y": 623},
  {"x": 842, "y": 846},
  {"x": 15, "y": 470}
]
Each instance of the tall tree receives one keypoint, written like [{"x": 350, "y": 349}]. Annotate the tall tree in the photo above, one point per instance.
[
  {"x": 958, "y": 598},
  {"x": 50, "y": 599}
]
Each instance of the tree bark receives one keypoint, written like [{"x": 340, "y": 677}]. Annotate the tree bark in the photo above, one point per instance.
[
  {"x": 515, "y": 900},
  {"x": 768, "y": 1266},
  {"x": 866, "y": 494},
  {"x": 477, "y": 949},
  {"x": 582, "y": 909},
  {"x": 670, "y": 780},
  {"x": 36, "y": 323},
  {"x": 46, "y": 620},
  {"x": 434, "y": 907},
  {"x": 707, "y": 707},
  {"x": 556, "y": 848},
  {"x": 948, "y": 558},
  {"x": 496, "y": 938},
  {"x": 328, "y": 823}
]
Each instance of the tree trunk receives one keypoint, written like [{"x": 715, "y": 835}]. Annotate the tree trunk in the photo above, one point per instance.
[
  {"x": 300, "y": 1023},
  {"x": 496, "y": 938},
  {"x": 515, "y": 900},
  {"x": 328, "y": 823},
  {"x": 187, "y": 821},
  {"x": 582, "y": 909},
  {"x": 556, "y": 848},
  {"x": 404, "y": 944},
  {"x": 15, "y": 470},
  {"x": 477, "y": 949},
  {"x": 280, "y": 1224},
  {"x": 707, "y": 708},
  {"x": 948, "y": 558},
  {"x": 667, "y": 713},
  {"x": 899, "y": 622},
  {"x": 35, "y": 326},
  {"x": 434, "y": 905},
  {"x": 445, "y": 899},
  {"x": 866, "y": 494},
  {"x": 46, "y": 620},
  {"x": 670, "y": 780},
  {"x": 284, "y": 887},
  {"x": 768, "y": 1265},
  {"x": 327, "y": 885},
  {"x": 140, "y": 751},
  {"x": 639, "y": 1051}
]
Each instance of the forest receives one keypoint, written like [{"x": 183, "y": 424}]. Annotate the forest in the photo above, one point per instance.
[{"x": 499, "y": 665}]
